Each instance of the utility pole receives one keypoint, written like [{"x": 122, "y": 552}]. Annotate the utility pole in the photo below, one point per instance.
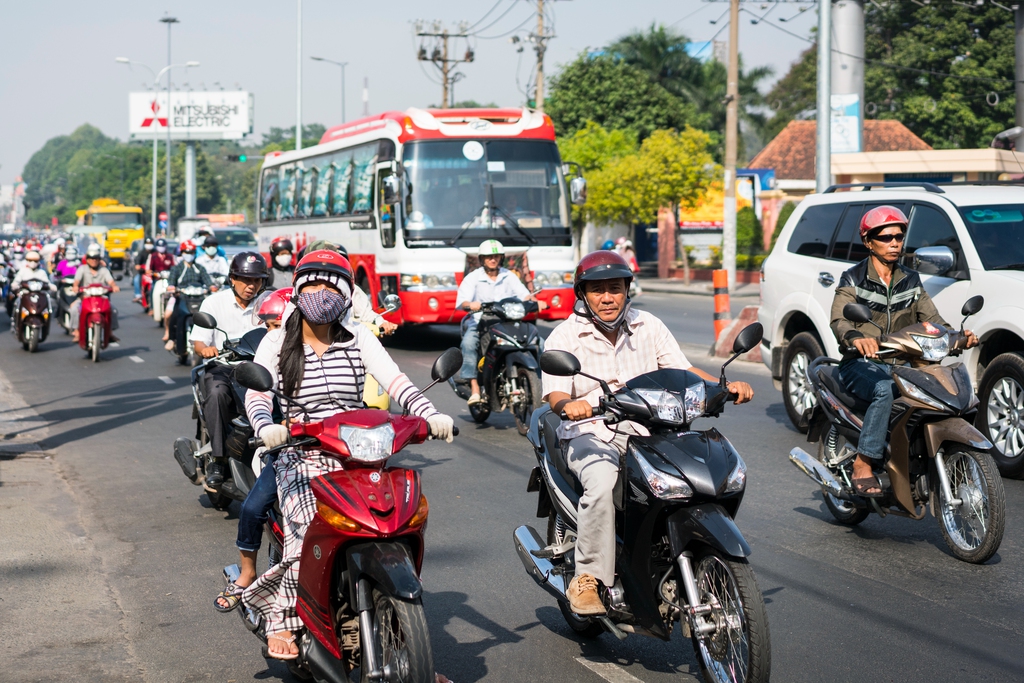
[
  {"x": 298, "y": 79},
  {"x": 847, "y": 101},
  {"x": 439, "y": 54},
  {"x": 170, "y": 115},
  {"x": 823, "y": 156},
  {"x": 540, "y": 41},
  {"x": 732, "y": 96}
]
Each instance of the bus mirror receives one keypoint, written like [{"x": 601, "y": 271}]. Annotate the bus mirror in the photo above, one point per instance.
[
  {"x": 392, "y": 189},
  {"x": 578, "y": 190}
]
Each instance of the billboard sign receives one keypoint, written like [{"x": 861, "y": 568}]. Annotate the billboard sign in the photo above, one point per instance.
[
  {"x": 846, "y": 124},
  {"x": 213, "y": 115}
]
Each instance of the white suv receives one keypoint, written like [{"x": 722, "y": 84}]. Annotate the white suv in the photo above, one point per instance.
[{"x": 964, "y": 239}]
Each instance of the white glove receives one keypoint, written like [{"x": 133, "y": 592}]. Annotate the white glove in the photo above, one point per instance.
[
  {"x": 441, "y": 426},
  {"x": 274, "y": 435}
]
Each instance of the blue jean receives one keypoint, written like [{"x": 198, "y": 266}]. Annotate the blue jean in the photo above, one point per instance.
[
  {"x": 137, "y": 284},
  {"x": 470, "y": 348},
  {"x": 256, "y": 509},
  {"x": 871, "y": 382}
]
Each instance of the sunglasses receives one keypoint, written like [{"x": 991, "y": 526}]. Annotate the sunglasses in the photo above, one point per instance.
[{"x": 885, "y": 239}]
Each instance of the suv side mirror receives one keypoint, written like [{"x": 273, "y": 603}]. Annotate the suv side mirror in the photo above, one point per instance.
[
  {"x": 578, "y": 190},
  {"x": 934, "y": 260},
  {"x": 559, "y": 363}
]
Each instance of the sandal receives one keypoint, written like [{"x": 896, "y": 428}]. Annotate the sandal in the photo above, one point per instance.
[
  {"x": 280, "y": 655},
  {"x": 232, "y": 594},
  {"x": 863, "y": 485}
]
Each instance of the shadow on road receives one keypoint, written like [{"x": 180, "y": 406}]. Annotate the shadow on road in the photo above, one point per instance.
[{"x": 461, "y": 635}]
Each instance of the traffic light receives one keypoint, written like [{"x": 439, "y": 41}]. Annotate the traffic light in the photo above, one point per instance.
[{"x": 237, "y": 157}]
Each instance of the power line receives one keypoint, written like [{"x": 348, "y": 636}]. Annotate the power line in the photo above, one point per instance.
[
  {"x": 503, "y": 14},
  {"x": 486, "y": 15},
  {"x": 524, "y": 22}
]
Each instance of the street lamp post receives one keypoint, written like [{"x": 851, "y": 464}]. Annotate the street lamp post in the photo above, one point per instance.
[
  {"x": 342, "y": 65},
  {"x": 156, "y": 83},
  {"x": 167, "y": 181}
]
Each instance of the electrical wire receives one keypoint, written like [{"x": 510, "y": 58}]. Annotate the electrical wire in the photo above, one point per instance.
[
  {"x": 699, "y": 9},
  {"x": 507, "y": 33},
  {"x": 510, "y": 8},
  {"x": 474, "y": 24}
]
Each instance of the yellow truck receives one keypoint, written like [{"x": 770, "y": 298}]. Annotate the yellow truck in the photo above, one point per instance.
[{"x": 122, "y": 224}]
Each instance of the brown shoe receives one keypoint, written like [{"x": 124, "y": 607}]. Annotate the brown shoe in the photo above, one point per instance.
[{"x": 583, "y": 597}]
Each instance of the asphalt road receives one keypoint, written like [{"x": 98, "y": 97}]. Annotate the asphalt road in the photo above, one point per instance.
[{"x": 110, "y": 559}]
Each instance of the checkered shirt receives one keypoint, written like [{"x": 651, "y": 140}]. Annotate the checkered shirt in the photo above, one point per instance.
[{"x": 649, "y": 348}]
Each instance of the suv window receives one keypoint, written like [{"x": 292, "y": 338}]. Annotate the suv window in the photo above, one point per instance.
[
  {"x": 930, "y": 227},
  {"x": 848, "y": 245},
  {"x": 813, "y": 233}
]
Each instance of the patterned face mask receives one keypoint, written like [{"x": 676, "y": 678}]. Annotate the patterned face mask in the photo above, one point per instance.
[{"x": 323, "y": 306}]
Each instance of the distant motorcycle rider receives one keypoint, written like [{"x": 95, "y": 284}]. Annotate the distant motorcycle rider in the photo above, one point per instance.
[
  {"x": 139, "y": 264},
  {"x": 233, "y": 309},
  {"x": 282, "y": 262},
  {"x": 184, "y": 274},
  {"x": 211, "y": 260},
  {"x": 896, "y": 299},
  {"x": 93, "y": 272}
]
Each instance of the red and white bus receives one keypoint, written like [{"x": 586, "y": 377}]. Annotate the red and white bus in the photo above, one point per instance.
[{"x": 411, "y": 195}]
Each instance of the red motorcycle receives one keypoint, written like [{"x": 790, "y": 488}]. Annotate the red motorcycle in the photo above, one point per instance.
[
  {"x": 147, "y": 291},
  {"x": 94, "y": 320},
  {"x": 360, "y": 595}
]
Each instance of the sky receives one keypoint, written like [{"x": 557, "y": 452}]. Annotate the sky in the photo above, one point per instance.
[{"x": 59, "y": 70}]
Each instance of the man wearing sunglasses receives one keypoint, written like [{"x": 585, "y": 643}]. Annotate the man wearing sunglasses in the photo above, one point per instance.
[{"x": 896, "y": 299}]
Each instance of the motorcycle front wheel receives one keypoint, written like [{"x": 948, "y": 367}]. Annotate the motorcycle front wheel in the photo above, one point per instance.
[
  {"x": 530, "y": 398},
  {"x": 32, "y": 343},
  {"x": 401, "y": 640},
  {"x": 739, "y": 649},
  {"x": 973, "y": 529},
  {"x": 97, "y": 341}
]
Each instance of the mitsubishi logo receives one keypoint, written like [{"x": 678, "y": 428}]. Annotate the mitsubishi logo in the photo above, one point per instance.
[{"x": 154, "y": 107}]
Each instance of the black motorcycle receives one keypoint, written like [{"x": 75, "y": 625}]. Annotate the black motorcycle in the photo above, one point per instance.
[
  {"x": 188, "y": 299},
  {"x": 508, "y": 372},
  {"x": 680, "y": 555},
  {"x": 194, "y": 456}
]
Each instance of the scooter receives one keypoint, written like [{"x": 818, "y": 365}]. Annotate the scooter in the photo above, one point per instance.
[
  {"x": 195, "y": 456},
  {"x": 936, "y": 461},
  {"x": 30, "y": 319},
  {"x": 94, "y": 320},
  {"x": 361, "y": 598},
  {"x": 65, "y": 297},
  {"x": 508, "y": 372},
  {"x": 680, "y": 555},
  {"x": 188, "y": 299},
  {"x": 146, "y": 287},
  {"x": 159, "y": 296}
]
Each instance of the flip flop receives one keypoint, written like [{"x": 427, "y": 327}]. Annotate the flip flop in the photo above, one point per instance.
[
  {"x": 474, "y": 399},
  {"x": 864, "y": 484},
  {"x": 280, "y": 655},
  {"x": 232, "y": 594}
]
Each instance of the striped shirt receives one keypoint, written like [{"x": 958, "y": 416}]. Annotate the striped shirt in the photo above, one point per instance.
[{"x": 334, "y": 381}]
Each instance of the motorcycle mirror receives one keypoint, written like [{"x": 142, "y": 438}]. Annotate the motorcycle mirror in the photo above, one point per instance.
[
  {"x": 972, "y": 305},
  {"x": 391, "y": 303},
  {"x": 253, "y": 376},
  {"x": 748, "y": 338},
  {"x": 446, "y": 365},
  {"x": 559, "y": 363},
  {"x": 857, "y": 313},
  {"x": 204, "y": 320}
]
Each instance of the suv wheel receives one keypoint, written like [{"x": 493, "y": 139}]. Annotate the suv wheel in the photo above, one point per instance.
[
  {"x": 796, "y": 391},
  {"x": 1001, "y": 412}
]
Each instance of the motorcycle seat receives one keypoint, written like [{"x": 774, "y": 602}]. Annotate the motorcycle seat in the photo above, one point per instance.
[
  {"x": 829, "y": 375},
  {"x": 550, "y": 422}
]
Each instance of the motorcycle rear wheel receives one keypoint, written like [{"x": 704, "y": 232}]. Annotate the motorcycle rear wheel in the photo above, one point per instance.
[
  {"x": 741, "y": 644},
  {"x": 480, "y": 412},
  {"x": 530, "y": 399},
  {"x": 401, "y": 639},
  {"x": 584, "y": 626},
  {"x": 975, "y": 480}
]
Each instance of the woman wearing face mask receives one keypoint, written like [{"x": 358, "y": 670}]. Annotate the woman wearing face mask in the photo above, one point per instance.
[
  {"x": 281, "y": 257},
  {"x": 211, "y": 261},
  {"x": 319, "y": 358},
  {"x": 69, "y": 266}
]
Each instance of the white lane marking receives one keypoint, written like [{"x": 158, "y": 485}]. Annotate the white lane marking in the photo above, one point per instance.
[
  {"x": 135, "y": 359},
  {"x": 612, "y": 673},
  {"x": 114, "y": 344},
  {"x": 165, "y": 379}
]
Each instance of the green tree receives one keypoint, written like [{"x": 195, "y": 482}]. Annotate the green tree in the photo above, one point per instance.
[
  {"x": 280, "y": 139},
  {"x": 794, "y": 95},
  {"x": 615, "y": 95},
  {"x": 784, "y": 213},
  {"x": 593, "y": 147},
  {"x": 749, "y": 232}
]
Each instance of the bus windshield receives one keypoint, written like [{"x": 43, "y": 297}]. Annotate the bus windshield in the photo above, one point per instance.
[
  {"x": 116, "y": 220},
  {"x": 449, "y": 182}
]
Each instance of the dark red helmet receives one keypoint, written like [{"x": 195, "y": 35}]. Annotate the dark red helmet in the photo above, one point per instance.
[
  {"x": 281, "y": 244},
  {"x": 325, "y": 265},
  {"x": 882, "y": 217},
  {"x": 600, "y": 265}
]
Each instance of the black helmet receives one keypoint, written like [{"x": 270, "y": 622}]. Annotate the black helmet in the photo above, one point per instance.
[
  {"x": 161, "y": 242},
  {"x": 210, "y": 241},
  {"x": 148, "y": 240},
  {"x": 281, "y": 244},
  {"x": 248, "y": 264}
]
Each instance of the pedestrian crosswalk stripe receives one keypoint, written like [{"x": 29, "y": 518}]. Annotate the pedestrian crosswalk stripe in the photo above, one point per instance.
[
  {"x": 135, "y": 359},
  {"x": 165, "y": 379}
]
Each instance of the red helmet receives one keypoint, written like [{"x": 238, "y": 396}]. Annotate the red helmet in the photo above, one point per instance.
[
  {"x": 600, "y": 265},
  {"x": 882, "y": 217},
  {"x": 281, "y": 244},
  {"x": 270, "y": 305},
  {"x": 187, "y": 246},
  {"x": 323, "y": 264}
]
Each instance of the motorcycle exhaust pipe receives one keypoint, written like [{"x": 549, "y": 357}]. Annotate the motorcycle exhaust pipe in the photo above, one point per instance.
[
  {"x": 542, "y": 571},
  {"x": 816, "y": 471}
]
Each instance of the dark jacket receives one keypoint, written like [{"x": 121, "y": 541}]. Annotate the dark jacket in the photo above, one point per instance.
[
  {"x": 182, "y": 276},
  {"x": 285, "y": 274},
  {"x": 904, "y": 302}
]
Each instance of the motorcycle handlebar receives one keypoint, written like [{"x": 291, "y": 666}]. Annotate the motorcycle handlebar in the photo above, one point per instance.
[
  {"x": 256, "y": 442},
  {"x": 597, "y": 410}
]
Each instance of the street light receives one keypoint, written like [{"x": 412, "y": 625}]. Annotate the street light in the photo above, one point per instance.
[
  {"x": 342, "y": 65},
  {"x": 156, "y": 81}
]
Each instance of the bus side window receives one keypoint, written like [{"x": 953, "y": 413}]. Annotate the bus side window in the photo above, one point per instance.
[
  {"x": 363, "y": 178},
  {"x": 323, "y": 190},
  {"x": 342, "y": 181},
  {"x": 309, "y": 181},
  {"x": 286, "y": 208},
  {"x": 269, "y": 201}
]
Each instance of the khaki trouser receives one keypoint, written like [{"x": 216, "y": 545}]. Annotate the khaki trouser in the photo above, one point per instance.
[{"x": 596, "y": 464}]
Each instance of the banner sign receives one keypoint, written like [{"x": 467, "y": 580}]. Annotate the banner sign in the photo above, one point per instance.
[
  {"x": 846, "y": 124},
  {"x": 212, "y": 115}
]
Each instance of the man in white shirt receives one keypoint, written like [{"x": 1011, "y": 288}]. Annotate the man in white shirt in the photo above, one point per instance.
[
  {"x": 233, "y": 309},
  {"x": 488, "y": 283},
  {"x": 209, "y": 259},
  {"x": 616, "y": 344}
]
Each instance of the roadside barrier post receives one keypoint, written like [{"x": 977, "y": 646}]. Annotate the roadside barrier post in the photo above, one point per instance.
[{"x": 720, "y": 280}]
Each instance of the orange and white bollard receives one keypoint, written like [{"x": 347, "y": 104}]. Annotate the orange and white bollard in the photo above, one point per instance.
[{"x": 720, "y": 280}]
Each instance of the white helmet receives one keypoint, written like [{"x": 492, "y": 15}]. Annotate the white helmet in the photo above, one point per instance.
[{"x": 93, "y": 251}]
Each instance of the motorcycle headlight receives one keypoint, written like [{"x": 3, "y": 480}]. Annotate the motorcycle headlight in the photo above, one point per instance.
[
  {"x": 368, "y": 445},
  {"x": 664, "y": 486},
  {"x": 663, "y": 404},
  {"x": 932, "y": 348},
  {"x": 35, "y": 286},
  {"x": 918, "y": 393},
  {"x": 513, "y": 310},
  {"x": 738, "y": 477}
]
